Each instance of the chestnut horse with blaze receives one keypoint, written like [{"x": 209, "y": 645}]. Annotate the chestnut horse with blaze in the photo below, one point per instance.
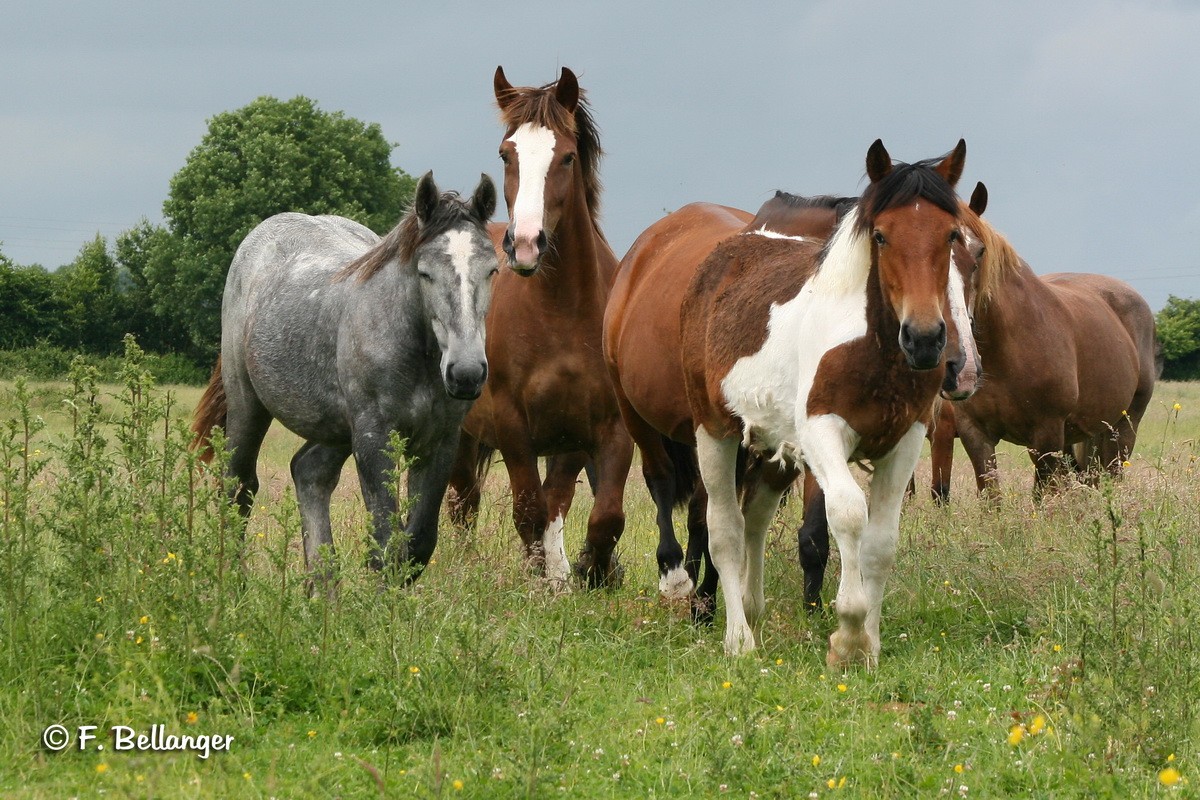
[
  {"x": 822, "y": 353},
  {"x": 548, "y": 393}
]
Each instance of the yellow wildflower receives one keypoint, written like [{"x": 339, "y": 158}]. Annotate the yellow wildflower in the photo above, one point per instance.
[
  {"x": 246, "y": 775},
  {"x": 145, "y": 618},
  {"x": 415, "y": 670},
  {"x": 1016, "y": 735},
  {"x": 958, "y": 768},
  {"x": 659, "y": 720},
  {"x": 457, "y": 786},
  {"x": 1177, "y": 407},
  {"x": 816, "y": 761},
  {"x": 1037, "y": 726},
  {"x": 842, "y": 687},
  {"x": 726, "y": 685},
  {"x": 1168, "y": 777},
  {"x": 192, "y": 718},
  {"x": 831, "y": 783},
  {"x": 312, "y": 734},
  {"x": 103, "y": 768}
]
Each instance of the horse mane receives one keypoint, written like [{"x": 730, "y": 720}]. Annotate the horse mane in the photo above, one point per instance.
[
  {"x": 402, "y": 241},
  {"x": 840, "y": 205},
  {"x": 538, "y": 105},
  {"x": 999, "y": 257},
  {"x": 903, "y": 185}
]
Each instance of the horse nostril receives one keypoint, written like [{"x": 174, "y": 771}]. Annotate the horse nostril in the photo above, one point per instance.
[
  {"x": 541, "y": 241},
  {"x": 509, "y": 248}
]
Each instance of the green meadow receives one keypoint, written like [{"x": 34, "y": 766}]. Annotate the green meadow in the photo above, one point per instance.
[{"x": 1043, "y": 650}]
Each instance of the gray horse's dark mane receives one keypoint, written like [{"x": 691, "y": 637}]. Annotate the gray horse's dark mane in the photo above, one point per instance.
[{"x": 402, "y": 241}]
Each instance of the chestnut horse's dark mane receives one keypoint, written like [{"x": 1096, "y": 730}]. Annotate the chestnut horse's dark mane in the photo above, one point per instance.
[
  {"x": 402, "y": 241},
  {"x": 538, "y": 105},
  {"x": 903, "y": 185},
  {"x": 840, "y": 205}
]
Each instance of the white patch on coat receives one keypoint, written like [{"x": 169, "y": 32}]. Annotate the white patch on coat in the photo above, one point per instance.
[
  {"x": 768, "y": 390},
  {"x": 770, "y": 234},
  {"x": 962, "y": 322},
  {"x": 535, "y": 151},
  {"x": 558, "y": 569}
]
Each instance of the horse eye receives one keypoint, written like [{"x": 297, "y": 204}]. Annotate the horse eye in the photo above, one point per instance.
[
  {"x": 425, "y": 276},
  {"x": 955, "y": 236},
  {"x": 568, "y": 159},
  {"x": 504, "y": 156},
  {"x": 878, "y": 237},
  {"x": 493, "y": 272}
]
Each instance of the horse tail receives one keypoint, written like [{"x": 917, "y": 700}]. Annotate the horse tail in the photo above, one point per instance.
[
  {"x": 211, "y": 411},
  {"x": 687, "y": 470}
]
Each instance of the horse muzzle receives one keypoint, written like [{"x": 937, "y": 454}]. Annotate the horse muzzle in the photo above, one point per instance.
[
  {"x": 464, "y": 379},
  {"x": 524, "y": 252},
  {"x": 923, "y": 345}
]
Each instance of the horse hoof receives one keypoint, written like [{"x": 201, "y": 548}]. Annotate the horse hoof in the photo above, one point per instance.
[
  {"x": 610, "y": 576},
  {"x": 704, "y": 611},
  {"x": 849, "y": 649},
  {"x": 675, "y": 585}
]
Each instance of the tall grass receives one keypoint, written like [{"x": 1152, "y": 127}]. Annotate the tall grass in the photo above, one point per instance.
[{"x": 1046, "y": 650}]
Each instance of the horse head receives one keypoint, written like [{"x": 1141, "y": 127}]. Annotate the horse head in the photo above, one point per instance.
[
  {"x": 910, "y": 212},
  {"x": 550, "y": 153},
  {"x": 963, "y": 366},
  {"x": 455, "y": 262}
]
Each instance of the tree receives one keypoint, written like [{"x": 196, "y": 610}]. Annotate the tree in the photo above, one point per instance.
[
  {"x": 29, "y": 309},
  {"x": 1179, "y": 333},
  {"x": 141, "y": 252},
  {"x": 267, "y": 157},
  {"x": 87, "y": 294}
]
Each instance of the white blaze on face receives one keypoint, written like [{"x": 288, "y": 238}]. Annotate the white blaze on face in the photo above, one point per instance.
[
  {"x": 962, "y": 321},
  {"x": 459, "y": 247},
  {"x": 535, "y": 152},
  {"x": 558, "y": 569}
]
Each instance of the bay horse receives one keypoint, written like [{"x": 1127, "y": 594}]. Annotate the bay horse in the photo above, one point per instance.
[
  {"x": 548, "y": 393},
  {"x": 344, "y": 337},
  {"x": 819, "y": 353},
  {"x": 1090, "y": 389}
]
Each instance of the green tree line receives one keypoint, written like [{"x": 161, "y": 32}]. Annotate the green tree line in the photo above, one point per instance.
[{"x": 163, "y": 283}]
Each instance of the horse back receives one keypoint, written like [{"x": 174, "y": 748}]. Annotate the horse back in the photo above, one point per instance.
[{"x": 642, "y": 318}]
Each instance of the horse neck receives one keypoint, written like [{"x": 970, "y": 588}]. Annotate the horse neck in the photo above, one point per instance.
[
  {"x": 1008, "y": 310},
  {"x": 578, "y": 272}
]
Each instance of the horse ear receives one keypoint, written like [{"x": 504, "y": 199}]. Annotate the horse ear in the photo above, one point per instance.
[
  {"x": 979, "y": 199},
  {"x": 483, "y": 202},
  {"x": 427, "y": 198},
  {"x": 952, "y": 165},
  {"x": 879, "y": 163},
  {"x": 567, "y": 90},
  {"x": 502, "y": 88}
]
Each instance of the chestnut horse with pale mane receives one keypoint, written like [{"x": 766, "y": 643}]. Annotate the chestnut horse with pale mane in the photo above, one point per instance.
[
  {"x": 1071, "y": 359},
  {"x": 548, "y": 392}
]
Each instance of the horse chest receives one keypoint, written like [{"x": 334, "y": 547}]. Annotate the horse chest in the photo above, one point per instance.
[{"x": 768, "y": 390}]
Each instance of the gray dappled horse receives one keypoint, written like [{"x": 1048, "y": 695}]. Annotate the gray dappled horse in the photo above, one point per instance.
[{"x": 344, "y": 337}]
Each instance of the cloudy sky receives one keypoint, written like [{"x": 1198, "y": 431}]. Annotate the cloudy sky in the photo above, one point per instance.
[{"x": 1080, "y": 116}]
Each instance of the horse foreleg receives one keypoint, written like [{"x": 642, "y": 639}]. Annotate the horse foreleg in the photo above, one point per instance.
[
  {"x": 427, "y": 480},
  {"x": 981, "y": 450},
  {"x": 1050, "y": 465},
  {"x": 372, "y": 463},
  {"x": 877, "y": 550},
  {"x": 827, "y": 441},
  {"x": 316, "y": 470},
  {"x": 759, "y": 508},
  {"x": 562, "y": 475},
  {"x": 941, "y": 452},
  {"x": 726, "y": 532},
  {"x": 465, "y": 483},
  {"x": 598, "y": 560},
  {"x": 530, "y": 514}
]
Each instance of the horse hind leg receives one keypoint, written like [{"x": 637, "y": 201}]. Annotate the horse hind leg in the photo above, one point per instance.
[
  {"x": 245, "y": 428},
  {"x": 316, "y": 470},
  {"x": 597, "y": 561},
  {"x": 812, "y": 540}
]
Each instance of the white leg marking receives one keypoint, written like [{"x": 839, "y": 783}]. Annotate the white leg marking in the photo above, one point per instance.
[
  {"x": 826, "y": 442},
  {"x": 759, "y": 513},
  {"x": 558, "y": 569},
  {"x": 726, "y": 527},
  {"x": 675, "y": 585},
  {"x": 877, "y": 550}
]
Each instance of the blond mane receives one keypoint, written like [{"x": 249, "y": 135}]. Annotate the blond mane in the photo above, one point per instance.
[{"x": 999, "y": 260}]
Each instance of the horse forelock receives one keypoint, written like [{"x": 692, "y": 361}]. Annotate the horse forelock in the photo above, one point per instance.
[
  {"x": 402, "y": 241},
  {"x": 999, "y": 257},
  {"x": 538, "y": 105},
  {"x": 906, "y": 184}
]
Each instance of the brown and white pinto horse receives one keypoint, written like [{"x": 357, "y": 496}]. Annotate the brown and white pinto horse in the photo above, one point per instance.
[
  {"x": 548, "y": 392},
  {"x": 823, "y": 353},
  {"x": 1090, "y": 388}
]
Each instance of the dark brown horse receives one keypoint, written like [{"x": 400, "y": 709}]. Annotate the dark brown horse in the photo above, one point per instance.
[
  {"x": 822, "y": 353},
  {"x": 1070, "y": 359},
  {"x": 548, "y": 392}
]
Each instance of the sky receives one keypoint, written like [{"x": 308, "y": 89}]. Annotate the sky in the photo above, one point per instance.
[{"x": 1079, "y": 116}]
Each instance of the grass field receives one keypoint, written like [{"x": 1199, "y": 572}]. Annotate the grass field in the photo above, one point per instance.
[{"x": 1040, "y": 650}]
